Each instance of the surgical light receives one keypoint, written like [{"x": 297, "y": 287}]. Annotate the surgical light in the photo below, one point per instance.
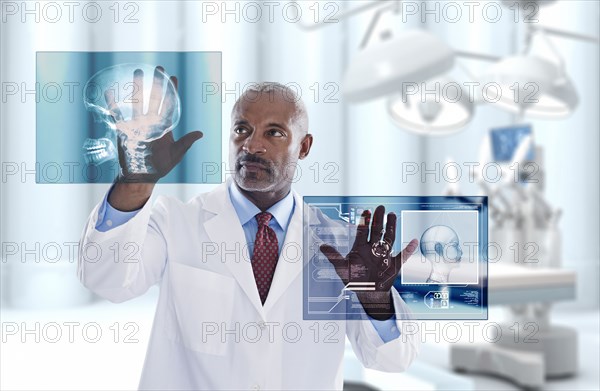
[
  {"x": 382, "y": 67},
  {"x": 533, "y": 86},
  {"x": 529, "y": 85},
  {"x": 438, "y": 113}
]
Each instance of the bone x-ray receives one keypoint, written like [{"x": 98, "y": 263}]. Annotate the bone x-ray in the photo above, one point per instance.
[
  {"x": 445, "y": 278},
  {"x": 125, "y": 98}
]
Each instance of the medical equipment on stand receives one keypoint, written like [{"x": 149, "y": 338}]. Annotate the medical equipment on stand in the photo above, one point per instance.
[{"x": 526, "y": 276}]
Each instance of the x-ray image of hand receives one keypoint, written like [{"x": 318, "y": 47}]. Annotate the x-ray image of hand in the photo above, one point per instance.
[
  {"x": 142, "y": 115},
  {"x": 370, "y": 259}
]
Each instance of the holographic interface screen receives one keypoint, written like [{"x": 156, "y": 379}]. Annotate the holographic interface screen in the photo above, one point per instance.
[{"x": 445, "y": 278}]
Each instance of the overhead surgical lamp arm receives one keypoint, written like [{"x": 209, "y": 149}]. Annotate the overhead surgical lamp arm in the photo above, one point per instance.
[
  {"x": 544, "y": 33},
  {"x": 367, "y": 37},
  {"x": 385, "y": 7},
  {"x": 384, "y": 4},
  {"x": 564, "y": 34},
  {"x": 477, "y": 56}
]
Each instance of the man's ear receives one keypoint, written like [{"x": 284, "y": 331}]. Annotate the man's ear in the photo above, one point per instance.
[{"x": 305, "y": 145}]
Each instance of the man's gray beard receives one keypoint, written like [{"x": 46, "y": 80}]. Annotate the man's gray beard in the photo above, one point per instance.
[{"x": 256, "y": 186}]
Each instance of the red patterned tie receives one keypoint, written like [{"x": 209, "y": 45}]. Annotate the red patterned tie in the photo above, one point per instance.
[{"x": 265, "y": 254}]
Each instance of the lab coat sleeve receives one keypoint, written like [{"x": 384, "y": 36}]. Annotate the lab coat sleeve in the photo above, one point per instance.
[
  {"x": 393, "y": 356},
  {"x": 123, "y": 262}
]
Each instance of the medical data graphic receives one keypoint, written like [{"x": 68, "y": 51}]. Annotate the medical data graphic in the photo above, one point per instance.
[
  {"x": 94, "y": 104},
  {"x": 444, "y": 278}
]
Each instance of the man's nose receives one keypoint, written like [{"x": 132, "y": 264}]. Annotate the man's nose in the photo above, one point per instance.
[{"x": 254, "y": 144}]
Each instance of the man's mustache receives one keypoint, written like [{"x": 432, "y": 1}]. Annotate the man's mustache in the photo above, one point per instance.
[{"x": 253, "y": 159}]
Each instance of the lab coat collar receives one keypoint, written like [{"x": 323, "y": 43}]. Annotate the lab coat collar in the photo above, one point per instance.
[{"x": 225, "y": 230}]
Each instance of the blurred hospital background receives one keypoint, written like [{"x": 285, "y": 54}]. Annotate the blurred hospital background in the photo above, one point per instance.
[{"x": 356, "y": 65}]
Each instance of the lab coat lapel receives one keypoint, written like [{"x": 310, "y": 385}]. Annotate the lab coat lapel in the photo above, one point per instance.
[
  {"x": 225, "y": 230},
  {"x": 290, "y": 262}
]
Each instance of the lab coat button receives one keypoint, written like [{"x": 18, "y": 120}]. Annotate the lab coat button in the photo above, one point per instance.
[
  {"x": 256, "y": 386},
  {"x": 262, "y": 326}
]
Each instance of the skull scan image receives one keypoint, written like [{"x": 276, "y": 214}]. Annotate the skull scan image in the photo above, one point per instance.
[
  {"x": 98, "y": 151},
  {"x": 441, "y": 246},
  {"x": 138, "y": 103}
]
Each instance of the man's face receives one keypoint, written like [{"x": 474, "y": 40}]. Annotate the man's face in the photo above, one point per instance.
[{"x": 266, "y": 142}]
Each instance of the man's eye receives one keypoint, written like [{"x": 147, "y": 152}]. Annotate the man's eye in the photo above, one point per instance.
[
  {"x": 240, "y": 130},
  {"x": 276, "y": 133}
]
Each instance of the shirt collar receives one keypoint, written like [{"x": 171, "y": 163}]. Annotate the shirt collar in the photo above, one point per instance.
[{"x": 246, "y": 210}]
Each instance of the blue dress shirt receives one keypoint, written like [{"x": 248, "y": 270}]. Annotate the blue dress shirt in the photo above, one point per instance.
[
  {"x": 282, "y": 213},
  {"x": 109, "y": 217}
]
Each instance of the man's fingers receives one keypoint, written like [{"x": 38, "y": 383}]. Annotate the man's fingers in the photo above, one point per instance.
[
  {"x": 109, "y": 97},
  {"x": 362, "y": 230},
  {"x": 137, "y": 97},
  {"x": 156, "y": 94},
  {"x": 181, "y": 146},
  {"x": 336, "y": 259},
  {"x": 390, "y": 229},
  {"x": 409, "y": 250},
  {"x": 377, "y": 226},
  {"x": 170, "y": 102}
]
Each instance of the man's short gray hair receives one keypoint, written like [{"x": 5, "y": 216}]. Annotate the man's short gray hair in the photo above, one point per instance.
[{"x": 256, "y": 90}]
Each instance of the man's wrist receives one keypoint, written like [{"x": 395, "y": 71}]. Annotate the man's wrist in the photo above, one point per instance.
[
  {"x": 128, "y": 197},
  {"x": 378, "y": 305}
]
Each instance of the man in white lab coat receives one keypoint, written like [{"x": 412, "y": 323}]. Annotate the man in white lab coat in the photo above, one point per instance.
[{"x": 227, "y": 317}]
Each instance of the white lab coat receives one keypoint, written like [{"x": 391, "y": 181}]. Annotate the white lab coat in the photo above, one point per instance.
[{"x": 210, "y": 329}]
